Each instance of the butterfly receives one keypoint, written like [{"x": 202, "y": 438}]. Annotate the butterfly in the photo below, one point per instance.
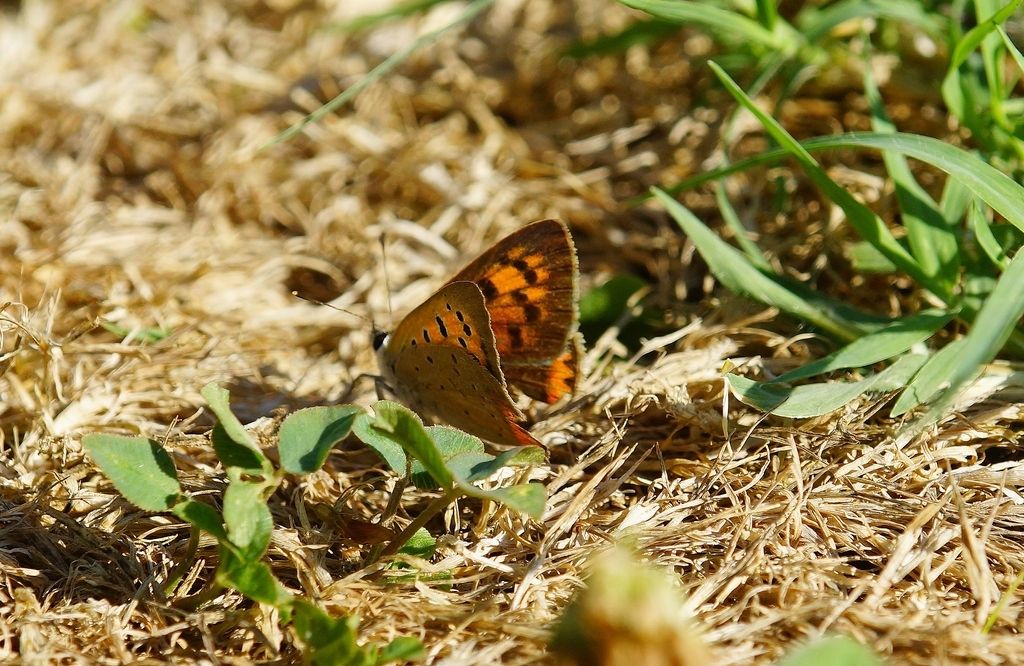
[{"x": 509, "y": 317}]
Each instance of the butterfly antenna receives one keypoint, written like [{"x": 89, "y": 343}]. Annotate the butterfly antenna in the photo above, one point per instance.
[
  {"x": 387, "y": 274},
  {"x": 333, "y": 307}
]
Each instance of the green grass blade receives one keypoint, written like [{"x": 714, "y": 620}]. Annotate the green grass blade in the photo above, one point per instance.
[
  {"x": 992, "y": 328},
  {"x": 732, "y": 220},
  {"x": 929, "y": 380},
  {"x": 716, "y": 19},
  {"x": 815, "y": 23},
  {"x": 870, "y": 227},
  {"x": 974, "y": 38},
  {"x": 640, "y": 32},
  {"x": 992, "y": 186},
  {"x": 932, "y": 242},
  {"x": 954, "y": 202},
  {"x": 821, "y": 398},
  {"x": 874, "y": 347},
  {"x": 400, "y": 10},
  {"x": 1012, "y": 49},
  {"x": 986, "y": 240},
  {"x": 380, "y": 71},
  {"x": 767, "y": 13},
  {"x": 730, "y": 266}
]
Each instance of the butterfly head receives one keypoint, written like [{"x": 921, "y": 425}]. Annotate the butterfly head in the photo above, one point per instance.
[{"x": 380, "y": 338}]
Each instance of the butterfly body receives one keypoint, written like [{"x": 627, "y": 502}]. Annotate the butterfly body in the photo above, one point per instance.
[{"x": 509, "y": 317}]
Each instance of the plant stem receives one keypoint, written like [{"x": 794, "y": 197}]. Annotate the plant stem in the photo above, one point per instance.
[
  {"x": 434, "y": 508},
  {"x": 178, "y": 572}
]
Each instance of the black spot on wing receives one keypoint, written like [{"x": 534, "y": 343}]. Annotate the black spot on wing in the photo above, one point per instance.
[
  {"x": 488, "y": 288},
  {"x": 441, "y": 327},
  {"x": 531, "y": 312},
  {"x": 426, "y": 336},
  {"x": 530, "y": 276},
  {"x": 515, "y": 335}
]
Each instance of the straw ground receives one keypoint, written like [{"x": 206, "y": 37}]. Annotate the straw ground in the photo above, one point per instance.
[{"x": 148, "y": 247}]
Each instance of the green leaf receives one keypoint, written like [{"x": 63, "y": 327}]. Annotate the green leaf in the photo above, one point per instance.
[
  {"x": 203, "y": 516},
  {"x": 466, "y": 460},
  {"x": 406, "y": 429},
  {"x": 994, "y": 188},
  {"x": 605, "y": 303},
  {"x": 332, "y": 641},
  {"x": 254, "y": 579},
  {"x": 383, "y": 443},
  {"x": 955, "y": 200},
  {"x": 817, "y": 399},
  {"x": 307, "y": 436},
  {"x": 932, "y": 241},
  {"x": 421, "y": 545},
  {"x": 872, "y": 348},
  {"x": 140, "y": 469},
  {"x": 328, "y": 641},
  {"x": 834, "y": 651},
  {"x": 966, "y": 45},
  {"x": 452, "y": 444},
  {"x": 528, "y": 498},
  {"x": 522, "y": 456},
  {"x": 144, "y": 335},
  {"x": 247, "y": 518},
  {"x": 986, "y": 239},
  {"x": 403, "y": 648},
  {"x": 231, "y": 440},
  {"x": 234, "y": 455}
]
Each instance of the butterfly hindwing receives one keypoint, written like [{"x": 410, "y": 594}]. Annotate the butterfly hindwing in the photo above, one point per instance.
[
  {"x": 459, "y": 391},
  {"x": 548, "y": 382}
]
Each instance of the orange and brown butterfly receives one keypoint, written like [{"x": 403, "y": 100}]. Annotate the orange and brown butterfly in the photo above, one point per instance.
[{"x": 508, "y": 318}]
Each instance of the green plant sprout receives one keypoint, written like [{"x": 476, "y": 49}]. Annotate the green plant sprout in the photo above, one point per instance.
[{"x": 435, "y": 457}]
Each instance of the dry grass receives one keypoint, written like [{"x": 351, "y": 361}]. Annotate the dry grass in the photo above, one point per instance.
[{"x": 131, "y": 191}]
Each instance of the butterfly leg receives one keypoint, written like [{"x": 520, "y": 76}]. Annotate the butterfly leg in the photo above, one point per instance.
[{"x": 358, "y": 379}]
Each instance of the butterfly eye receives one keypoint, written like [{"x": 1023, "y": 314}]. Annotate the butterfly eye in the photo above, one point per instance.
[{"x": 379, "y": 338}]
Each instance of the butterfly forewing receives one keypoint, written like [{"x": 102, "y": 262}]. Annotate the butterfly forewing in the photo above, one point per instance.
[
  {"x": 528, "y": 280},
  {"x": 442, "y": 361},
  {"x": 454, "y": 317}
]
